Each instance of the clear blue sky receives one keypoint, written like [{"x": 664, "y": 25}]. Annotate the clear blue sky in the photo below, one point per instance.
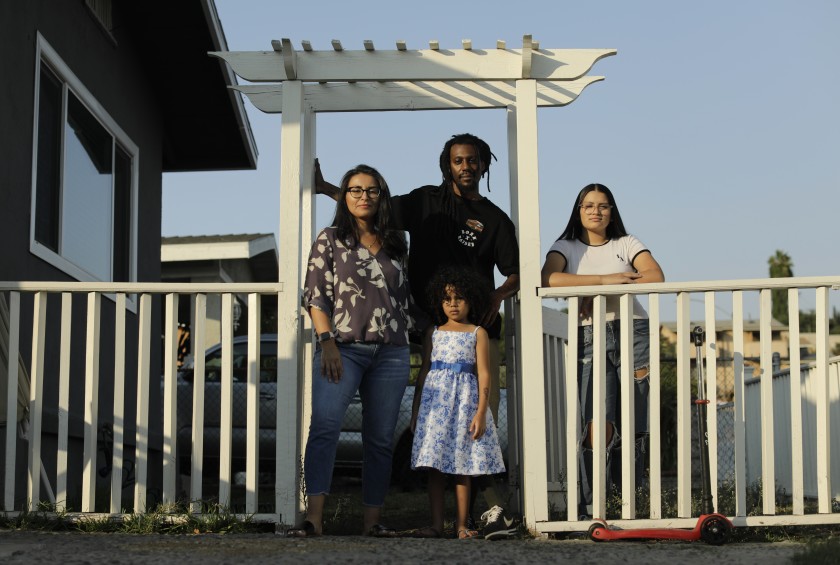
[{"x": 717, "y": 127}]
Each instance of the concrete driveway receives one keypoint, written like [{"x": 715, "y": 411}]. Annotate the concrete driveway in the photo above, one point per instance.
[{"x": 70, "y": 548}]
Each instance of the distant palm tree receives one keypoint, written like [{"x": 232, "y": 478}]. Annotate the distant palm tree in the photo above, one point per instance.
[{"x": 781, "y": 265}]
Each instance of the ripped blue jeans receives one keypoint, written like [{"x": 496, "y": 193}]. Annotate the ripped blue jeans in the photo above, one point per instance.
[{"x": 641, "y": 362}]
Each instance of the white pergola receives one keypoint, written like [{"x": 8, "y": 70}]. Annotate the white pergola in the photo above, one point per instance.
[{"x": 306, "y": 82}]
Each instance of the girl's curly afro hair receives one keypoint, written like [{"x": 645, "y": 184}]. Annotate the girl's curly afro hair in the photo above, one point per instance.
[{"x": 466, "y": 283}]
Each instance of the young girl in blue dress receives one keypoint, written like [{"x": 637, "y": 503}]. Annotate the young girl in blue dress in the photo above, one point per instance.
[{"x": 454, "y": 432}]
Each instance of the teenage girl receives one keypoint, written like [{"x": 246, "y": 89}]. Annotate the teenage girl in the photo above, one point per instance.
[
  {"x": 596, "y": 249},
  {"x": 454, "y": 433}
]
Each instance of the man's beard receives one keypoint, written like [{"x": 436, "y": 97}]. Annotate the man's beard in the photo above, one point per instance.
[{"x": 467, "y": 186}]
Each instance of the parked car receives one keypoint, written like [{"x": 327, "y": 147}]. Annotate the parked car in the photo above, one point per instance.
[{"x": 349, "y": 452}]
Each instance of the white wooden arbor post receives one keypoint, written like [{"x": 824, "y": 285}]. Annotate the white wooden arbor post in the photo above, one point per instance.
[{"x": 339, "y": 80}]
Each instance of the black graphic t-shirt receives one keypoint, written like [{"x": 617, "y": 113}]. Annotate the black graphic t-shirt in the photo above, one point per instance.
[{"x": 446, "y": 229}]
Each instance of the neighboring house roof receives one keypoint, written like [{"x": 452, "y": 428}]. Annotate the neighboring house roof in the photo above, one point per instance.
[
  {"x": 205, "y": 123},
  {"x": 260, "y": 250},
  {"x": 203, "y": 247}
]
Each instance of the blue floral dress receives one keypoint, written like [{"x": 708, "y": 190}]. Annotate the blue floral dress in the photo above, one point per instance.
[{"x": 448, "y": 404}]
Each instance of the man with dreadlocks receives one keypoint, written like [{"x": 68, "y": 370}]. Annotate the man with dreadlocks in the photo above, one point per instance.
[{"x": 452, "y": 223}]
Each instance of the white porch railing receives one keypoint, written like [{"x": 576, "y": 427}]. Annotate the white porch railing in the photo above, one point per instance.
[
  {"x": 131, "y": 317},
  {"x": 130, "y": 310},
  {"x": 756, "y": 413}
]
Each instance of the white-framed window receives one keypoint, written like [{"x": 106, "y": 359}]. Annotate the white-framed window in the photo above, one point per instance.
[{"x": 84, "y": 179}]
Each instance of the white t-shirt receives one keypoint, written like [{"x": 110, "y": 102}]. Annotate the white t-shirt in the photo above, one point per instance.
[{"x": 614, "y": 256}]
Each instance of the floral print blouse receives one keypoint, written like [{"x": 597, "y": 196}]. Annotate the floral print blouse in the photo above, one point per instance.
[{"x": 366, "y": 295}]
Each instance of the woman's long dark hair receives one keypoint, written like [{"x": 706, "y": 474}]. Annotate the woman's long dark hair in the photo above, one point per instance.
[
  {"x": 393, "y": 241},
  {"x": 574, "y": 229}
]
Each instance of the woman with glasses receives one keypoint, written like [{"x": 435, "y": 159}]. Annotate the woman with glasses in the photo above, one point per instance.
[
  {"x": 596, "y": 249},
  {"x": 357, "y": 295}
]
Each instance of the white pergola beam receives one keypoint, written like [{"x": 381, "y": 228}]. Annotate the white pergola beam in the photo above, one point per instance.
[
  {"x": 530, "y": 339},
  {"x": 292, "y": 139},
  {"x": 414, "y": 65},
  {"x": 389, "y": 96}
]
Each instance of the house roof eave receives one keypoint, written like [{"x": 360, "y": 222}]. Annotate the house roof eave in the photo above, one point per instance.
[{"x": 206, "y": 126}]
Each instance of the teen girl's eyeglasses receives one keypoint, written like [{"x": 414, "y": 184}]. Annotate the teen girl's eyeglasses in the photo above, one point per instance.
[{"x": 590, "y": 208}]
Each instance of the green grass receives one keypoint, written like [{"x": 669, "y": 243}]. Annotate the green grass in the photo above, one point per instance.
[
  {"x": 45, "y": 518},
  {"x": 165, "y": 519}
]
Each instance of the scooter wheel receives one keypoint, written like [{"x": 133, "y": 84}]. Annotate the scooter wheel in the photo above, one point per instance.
[
  {"x": 594, "y": 528},
  {"x": 714, "y": 530}
]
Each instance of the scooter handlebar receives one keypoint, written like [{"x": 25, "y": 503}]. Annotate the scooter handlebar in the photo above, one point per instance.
[{"x": 697, "y": 335}]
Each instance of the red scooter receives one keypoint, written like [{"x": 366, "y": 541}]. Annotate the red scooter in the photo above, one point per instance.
[{"x": 711, "y": 527}]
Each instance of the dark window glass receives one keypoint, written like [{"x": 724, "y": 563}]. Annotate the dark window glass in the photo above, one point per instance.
[
  {"x": 122, "y": 216},
  {"x": 87, "y": 205},
  {"x": 48, "y": 171}
]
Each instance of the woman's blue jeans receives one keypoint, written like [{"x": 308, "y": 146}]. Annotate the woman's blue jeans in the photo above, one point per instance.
[
  {"x": 379, "y": 372},
  {"x": 641, "y": 360}
]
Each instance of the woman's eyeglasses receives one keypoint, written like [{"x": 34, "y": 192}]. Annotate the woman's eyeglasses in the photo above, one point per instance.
[{"x": 357, "y": 191}]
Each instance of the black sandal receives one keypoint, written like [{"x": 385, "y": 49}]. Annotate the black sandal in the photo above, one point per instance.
[
  {"x": 305, "y": 530},
  {"x": 380, "y": 531}
]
